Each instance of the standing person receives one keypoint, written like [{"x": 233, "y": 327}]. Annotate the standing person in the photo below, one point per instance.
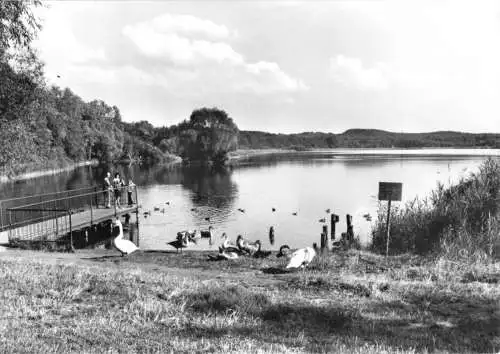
[
  {"x": 117, "y": 184},
  {"x": 107, "y": 188},
  {"x": 130, "y": 190}
]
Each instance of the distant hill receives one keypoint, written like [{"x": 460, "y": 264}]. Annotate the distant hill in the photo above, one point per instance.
[{"x": 366, "y": 138}]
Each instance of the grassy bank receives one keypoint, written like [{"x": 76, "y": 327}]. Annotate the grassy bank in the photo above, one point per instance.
[{"x": 161, "y": 301}]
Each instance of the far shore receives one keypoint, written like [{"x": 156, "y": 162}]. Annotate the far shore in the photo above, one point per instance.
[
  {"x": 53, "y": 171},
  {"x": 236, "y": 156}
]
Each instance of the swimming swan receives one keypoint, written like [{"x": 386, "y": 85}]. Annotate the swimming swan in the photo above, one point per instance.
[
  {"x": 207, "y": 233},
  {"x": 301, "y": 258},
  {"x": 122, "y": 245}
]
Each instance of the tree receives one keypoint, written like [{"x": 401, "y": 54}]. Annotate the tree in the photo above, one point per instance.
[
  {"x": 18, "y": 25},
  {"x": 209, "y": 136}
]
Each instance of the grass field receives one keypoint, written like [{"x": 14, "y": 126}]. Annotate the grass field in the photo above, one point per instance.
[{"x": 349, "y": 302}]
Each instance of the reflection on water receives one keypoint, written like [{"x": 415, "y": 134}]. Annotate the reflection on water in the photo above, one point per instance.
[{"x": 240, "y": 200}]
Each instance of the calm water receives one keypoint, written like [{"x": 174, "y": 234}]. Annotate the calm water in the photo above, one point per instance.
[{"x": 302, "y": 183}]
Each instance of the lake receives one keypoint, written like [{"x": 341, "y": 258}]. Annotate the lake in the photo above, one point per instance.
[{"x": 305, "y": 183}]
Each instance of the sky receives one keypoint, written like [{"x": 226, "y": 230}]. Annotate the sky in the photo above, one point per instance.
[{"x": 283, "y": 67}]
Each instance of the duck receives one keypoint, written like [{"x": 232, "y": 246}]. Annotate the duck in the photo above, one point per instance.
[
  {"x": 271, "y": 235},
  {"x": 228, "y": 246},
  {"x": 273, "y": 209},
  {"x": 301, "y": 258},
  {"x": 327, "y": 211},
  {"x": 125, "y": 247},
  {"x": 178, "y": 244},
  {"x": 245, "y": 246},
  {"x": 322, "y": 220},
  {"x": 194, "y": 235},
  {"x": 184, "y": 240},
  {"x": 294, "y": 213},
  {"x": 260, "y": 253},
  {"x": 156, "y": 208},
  {"x": 167, "y": 203},
  {"x": 284, "y": 251},
  {"x": 207, "y": 219}
]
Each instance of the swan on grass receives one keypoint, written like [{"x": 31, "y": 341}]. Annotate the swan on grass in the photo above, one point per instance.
[
  {"x": 301, "y": 258},
  {"x": 228, "y": 246},
  {"x": 246, "y": 246},
  {"x": 121, "y": 244},
  {"x": 223, "y": 255}
]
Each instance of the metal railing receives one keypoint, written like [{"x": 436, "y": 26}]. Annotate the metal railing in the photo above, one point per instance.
[
  {"x": 33, "y": 199},
  {"x": 53, "y": 220}
]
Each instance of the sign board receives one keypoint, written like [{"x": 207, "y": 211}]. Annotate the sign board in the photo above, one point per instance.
[{"x": 390, "y": 191}]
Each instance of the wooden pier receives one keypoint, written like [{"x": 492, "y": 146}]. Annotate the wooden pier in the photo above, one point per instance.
[{"x": 66, "y": 218}]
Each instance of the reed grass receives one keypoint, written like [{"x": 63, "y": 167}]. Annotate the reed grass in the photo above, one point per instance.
[{"x": 460, "y": 221}]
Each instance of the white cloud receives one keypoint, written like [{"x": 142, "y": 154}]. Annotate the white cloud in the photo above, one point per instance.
[
  {"x": 189, "y": 25},
  {"x": 180, "y": 50},
  {"x": 198, "y": 45},
  {"x": 351, "y": 72}
]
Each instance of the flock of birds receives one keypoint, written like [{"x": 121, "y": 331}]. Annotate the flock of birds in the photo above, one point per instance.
[
  {"x": 243, "y": 247},
  {"x": 227, "y": 250}
]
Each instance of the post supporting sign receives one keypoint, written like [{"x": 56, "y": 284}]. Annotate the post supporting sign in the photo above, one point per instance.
[{"x": 389, "y": 191}]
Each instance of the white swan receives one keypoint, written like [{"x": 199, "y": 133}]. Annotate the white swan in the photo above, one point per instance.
[
  {"x": 122, "y": 245},
  {"x": 301, "y": 258}
]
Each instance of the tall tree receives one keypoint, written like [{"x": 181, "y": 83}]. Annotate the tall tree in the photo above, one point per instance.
[{"x": 209, "y": 136}]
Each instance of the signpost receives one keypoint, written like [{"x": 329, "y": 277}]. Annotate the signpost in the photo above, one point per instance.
[{"x": 389, "y": 191}]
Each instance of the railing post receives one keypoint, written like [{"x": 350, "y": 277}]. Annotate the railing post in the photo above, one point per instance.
[
  {"x": 137, "y": 215},
  {"x": 72, "y": 249},
  {"x": 91, "y": 212},
  {"x": 114, "y": 200},
  {"x": 96, "y": 198},
  {"x": 1, "y": 216}
]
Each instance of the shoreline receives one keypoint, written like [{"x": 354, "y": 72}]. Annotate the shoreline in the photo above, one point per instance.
[
  {"x": 241, "y": 154},
  {"x": 54, "y": 171},
  {"x": 234, "y": 157}
]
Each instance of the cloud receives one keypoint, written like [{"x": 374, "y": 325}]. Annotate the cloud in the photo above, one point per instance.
[
  {"x": 203, "y": 47},
  {"x": 180, "y": 50},
  {"x": 352, "y": 72},
  {"x": 190, "y": 25}
]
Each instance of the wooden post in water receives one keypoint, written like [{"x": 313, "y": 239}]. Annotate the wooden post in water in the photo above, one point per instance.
[
  {"x": 324, "y": 238},
  {"x": 137, "y": 215},
  {"x": 334, "y": 220},
  {"x": 387, "y": 227},
  {"x": 350, "y": 232}
]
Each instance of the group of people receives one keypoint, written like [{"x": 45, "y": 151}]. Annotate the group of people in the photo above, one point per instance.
[{"x": 115, "y": 187}]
